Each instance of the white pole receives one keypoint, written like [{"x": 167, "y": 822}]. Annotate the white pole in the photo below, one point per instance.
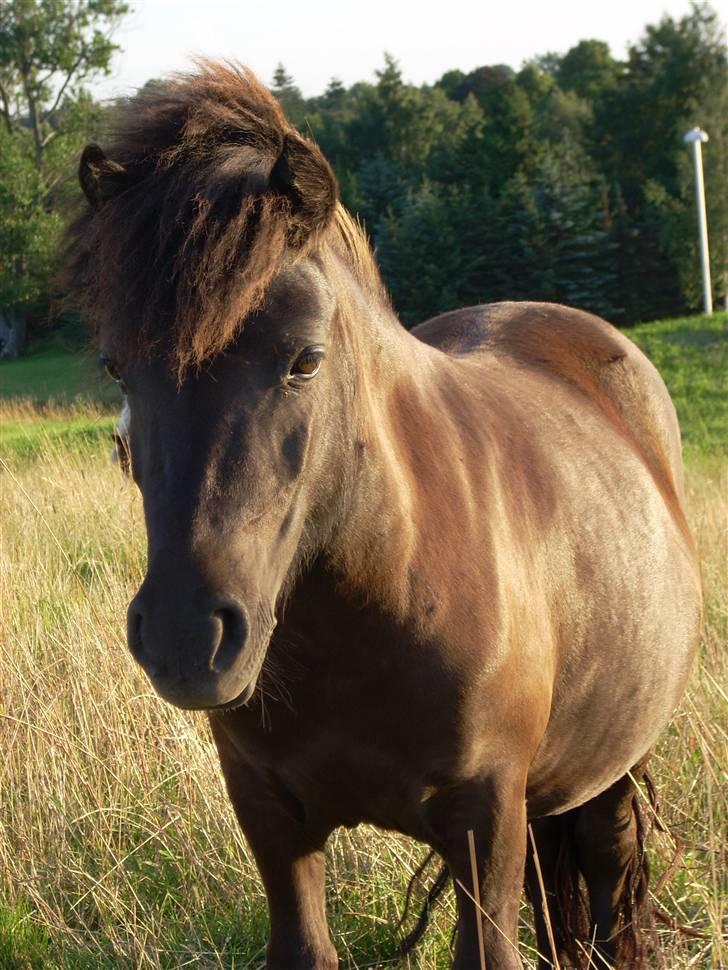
[{"x": 696, "y": 137}]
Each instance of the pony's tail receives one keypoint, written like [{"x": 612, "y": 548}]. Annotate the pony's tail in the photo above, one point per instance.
[
  {"x": 570, "y": 911},
  {"x": 412, "y": 939},
  {"x": 635, "y": 914}
]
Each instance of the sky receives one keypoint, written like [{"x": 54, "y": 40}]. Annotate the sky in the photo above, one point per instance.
[{"x": 319, "y": 39}]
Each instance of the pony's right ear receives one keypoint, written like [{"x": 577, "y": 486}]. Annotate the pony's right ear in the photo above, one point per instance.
[
  {"x": 100, "y": 178},
  {"x": 302, "y": 174}
]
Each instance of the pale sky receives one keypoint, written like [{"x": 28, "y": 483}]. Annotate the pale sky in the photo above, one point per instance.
[{"x": 317, "y": 39}]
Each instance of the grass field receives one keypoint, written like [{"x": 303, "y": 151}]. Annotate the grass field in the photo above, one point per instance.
[
  {"x": 54, "y": 397},
  {"x": 118, "y": 848}
]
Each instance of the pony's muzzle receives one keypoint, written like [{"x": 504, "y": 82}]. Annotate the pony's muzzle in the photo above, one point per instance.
[{"x": 196, "y": 655}]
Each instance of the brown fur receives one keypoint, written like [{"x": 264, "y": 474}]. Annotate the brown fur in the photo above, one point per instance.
[{"x": 444, "y": 586}]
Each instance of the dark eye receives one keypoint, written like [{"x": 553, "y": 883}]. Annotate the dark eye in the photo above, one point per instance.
[
  {"x": 110, "y": 368},
  {"x": 308, "y": 363}
]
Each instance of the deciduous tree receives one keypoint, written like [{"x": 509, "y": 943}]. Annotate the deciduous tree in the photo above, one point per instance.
[{"x": 48, "y": 48}]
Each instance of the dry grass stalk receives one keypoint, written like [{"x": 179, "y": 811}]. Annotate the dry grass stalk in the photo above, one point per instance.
[{"x": 476, "y": 897}]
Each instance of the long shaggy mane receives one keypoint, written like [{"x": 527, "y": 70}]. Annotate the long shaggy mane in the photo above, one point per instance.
[{"x": 204, "y": 192}]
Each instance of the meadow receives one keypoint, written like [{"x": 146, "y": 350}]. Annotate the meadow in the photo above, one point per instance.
[{"x": 118, "y": 848}]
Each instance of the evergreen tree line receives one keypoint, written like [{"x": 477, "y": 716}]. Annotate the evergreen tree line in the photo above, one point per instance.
[{"x": 567, "y": 180}]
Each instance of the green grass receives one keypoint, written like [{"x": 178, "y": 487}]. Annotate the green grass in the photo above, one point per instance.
[
  {"x": 55, "y": 397},
  {"x": 56, "y": 375},
  {"x": 692, "y": 355},
  {"x": 27, "y": 438},
  {"x": 23, "y": 942}
]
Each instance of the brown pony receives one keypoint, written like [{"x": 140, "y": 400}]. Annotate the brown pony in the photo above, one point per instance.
[{"x": 438, "y": 581}]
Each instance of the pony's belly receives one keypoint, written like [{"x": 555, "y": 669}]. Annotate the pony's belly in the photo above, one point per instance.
[
  {"x": 624, "y": 659},
  {"x": 597, "y": 738}
]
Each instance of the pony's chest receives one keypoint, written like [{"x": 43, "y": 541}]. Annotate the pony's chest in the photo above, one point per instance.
[
  {"x": 349, "y": 781},
  {"x": 362, "y": 750}
]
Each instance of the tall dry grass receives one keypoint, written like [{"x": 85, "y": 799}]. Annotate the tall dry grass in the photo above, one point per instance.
[{"x": 117, "y": 844}]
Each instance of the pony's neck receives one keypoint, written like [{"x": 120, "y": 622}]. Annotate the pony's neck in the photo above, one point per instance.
[{"x": 387, "y": 369}]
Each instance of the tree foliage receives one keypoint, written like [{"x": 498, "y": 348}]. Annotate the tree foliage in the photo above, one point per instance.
[
  {"x": 28, "y": 227},
  {"x": 567, "y": 180},
  {"x": 48, "y": 50}
]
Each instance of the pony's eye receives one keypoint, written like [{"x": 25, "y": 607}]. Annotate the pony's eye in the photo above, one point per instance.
[
  {"x": 110, "y": 368},
  {"x": 308, "y": 364}
]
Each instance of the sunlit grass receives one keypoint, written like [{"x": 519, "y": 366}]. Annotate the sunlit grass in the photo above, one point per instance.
[{"x": 83, "y": 432}]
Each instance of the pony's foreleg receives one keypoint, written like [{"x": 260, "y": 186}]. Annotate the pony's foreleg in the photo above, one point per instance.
[
  {"x": 487, "y": 868},
  {"x": 290, "y": 859}
]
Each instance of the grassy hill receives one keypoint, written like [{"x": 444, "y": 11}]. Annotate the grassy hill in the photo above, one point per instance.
[
  {"x": 52, "y": 398},
  {"x": 691, "y": 353},
  {"x": 55, "y": 374}
]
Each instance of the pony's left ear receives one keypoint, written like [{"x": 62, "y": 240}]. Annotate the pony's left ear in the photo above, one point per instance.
[
  {"x": 100, "y": 178},
  {"x": 302, "y": 174}
]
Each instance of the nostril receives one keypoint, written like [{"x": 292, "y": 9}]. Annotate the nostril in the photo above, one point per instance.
[
  {"x": 134, "y": 632},
  {"x": 233, "y": 635},
  {"x": 136, "y": 642}
]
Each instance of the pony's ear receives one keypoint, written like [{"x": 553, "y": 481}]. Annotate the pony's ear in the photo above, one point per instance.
[
  {"x": 303, "y": 175},
  {"x": 100, "y": 178}
]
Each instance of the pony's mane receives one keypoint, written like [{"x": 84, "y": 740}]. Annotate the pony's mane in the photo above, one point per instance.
[{"x": 204, "y": 192}]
